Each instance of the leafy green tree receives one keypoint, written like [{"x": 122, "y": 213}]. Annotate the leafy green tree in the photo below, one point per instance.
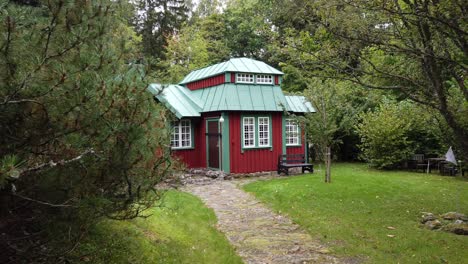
[
  {"x": 210, "y": 37},
  {"x": 206, "y": 8},
  {"x": 336, "y": 113},
  {"x": 413, "y": 49},
  {"x": 196, "y": 46},
  {"x": 247, "y": 30},
  {"x": 395, "y": 131},
  {"x": 81, "y": 138},
  {"x": 157, "y": 21},
  {"x": 214, "y": 31},
  {"x": 186, "y": 52},
  {"x": 287, "y": 15},
  {"x": 384, "y": 136}
]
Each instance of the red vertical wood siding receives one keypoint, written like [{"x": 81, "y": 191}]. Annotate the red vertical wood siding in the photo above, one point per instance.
[
  {"x": 196, "y": 157},
  {"x": 297, "y": 149},
  {"x": 233, "y": 77},
  {"x": 241, "y": 161},
  {"x": 254, "y": 160},
  {"x": 208, "y": 82}
]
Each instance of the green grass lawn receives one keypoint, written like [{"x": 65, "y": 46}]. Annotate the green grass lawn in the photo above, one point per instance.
[
  {"x": 181, "y": 231},
  {"x": 353, "y": 213}
]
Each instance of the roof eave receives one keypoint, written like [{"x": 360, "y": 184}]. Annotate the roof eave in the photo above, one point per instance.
[{"x": 191, "y": 109}]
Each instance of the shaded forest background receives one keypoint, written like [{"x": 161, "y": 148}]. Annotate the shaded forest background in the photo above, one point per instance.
[{"x": 82, "y": 140}]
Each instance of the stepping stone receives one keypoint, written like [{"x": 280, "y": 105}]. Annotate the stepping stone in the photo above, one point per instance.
[{"x": 258, "y": 234}]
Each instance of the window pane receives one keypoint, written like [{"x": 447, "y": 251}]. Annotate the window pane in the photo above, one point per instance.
[
  {"x": 292, "y": 132},
  {"x": 263, "y": 131},
  {"x": 249, "y": 131},
  {"x": 268, "y": 79},
  {"x": 181, "y": 135},
  {"x": 245, "y": 78}
]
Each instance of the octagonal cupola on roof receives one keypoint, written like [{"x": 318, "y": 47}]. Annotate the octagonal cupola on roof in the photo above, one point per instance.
[
  {"x": 240, "y": 84},
  {"x": 236, "y": 70}
]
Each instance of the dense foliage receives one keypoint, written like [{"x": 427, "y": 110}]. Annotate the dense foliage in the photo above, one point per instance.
[
  {"x": 337, "y": 106},
  {"x": 414, "y": 50},
  {"x": 77, "y": 130},
  {"x": 394, "y": 132},
  {"x": 156, "y": 21},
  {"x": 80, "y": 138}
]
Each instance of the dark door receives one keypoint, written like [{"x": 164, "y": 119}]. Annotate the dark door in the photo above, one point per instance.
[{"x": 213, "y": 144}]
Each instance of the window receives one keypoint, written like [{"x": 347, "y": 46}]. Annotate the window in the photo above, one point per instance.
[
  {"x": 256, "y": 132},
  {"x": 249, "y": 132},
  {"x": 264, "y": 131},
  {"x": 292, "y": 132},
  {"x": 245, "y": 78},
  {"x": 264, "y": 79},
  {"x": 181, "y": 136}
]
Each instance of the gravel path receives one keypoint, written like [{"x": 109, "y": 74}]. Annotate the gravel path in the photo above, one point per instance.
[{"x": 258, "y": 234}]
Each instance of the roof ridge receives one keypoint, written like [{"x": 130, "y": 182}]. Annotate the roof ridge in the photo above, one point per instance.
[{"x": 240, "y": 64}]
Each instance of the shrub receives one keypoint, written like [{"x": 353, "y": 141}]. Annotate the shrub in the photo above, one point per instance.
[{"x": 395, "y": 131}]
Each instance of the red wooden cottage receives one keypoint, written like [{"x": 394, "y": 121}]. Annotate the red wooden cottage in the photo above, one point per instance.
[{"x": 233, "y": 117}]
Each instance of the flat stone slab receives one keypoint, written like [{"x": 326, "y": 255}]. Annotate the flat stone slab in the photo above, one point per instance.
[{"x": 258, "y": 234}]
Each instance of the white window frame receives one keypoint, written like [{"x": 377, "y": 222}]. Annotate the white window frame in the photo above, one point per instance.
[
  {"x": 264, "y": 79},
  {"x": 245, "y": 78},
  {"x": 181, "y": 134},
  {"x": 293, "y": 133},
  {"x": 249, "y": 134},
  {"x": 263, "y": 128}
]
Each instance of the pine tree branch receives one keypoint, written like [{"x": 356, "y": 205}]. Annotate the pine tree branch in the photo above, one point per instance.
[
  {"x": 52, "y": 164},
  {"x": 41, "y": 202},
  {"x": 22, "y": 101}
]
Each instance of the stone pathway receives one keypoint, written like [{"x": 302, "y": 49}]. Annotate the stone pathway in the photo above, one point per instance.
[{"x": 258, "y": 234}]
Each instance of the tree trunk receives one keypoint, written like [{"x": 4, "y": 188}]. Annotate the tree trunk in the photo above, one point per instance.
[
  {"x": 434, "y": 74},
  {"x": 328, "y": 164}
]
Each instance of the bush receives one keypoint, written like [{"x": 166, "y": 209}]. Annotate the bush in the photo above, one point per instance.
[{"x": 395, "y": 131}]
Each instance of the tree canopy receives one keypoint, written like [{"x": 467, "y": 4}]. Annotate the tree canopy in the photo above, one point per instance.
[
  {"x": 415, "y": 50},
  {"x": 81, "y": 138},
  {"x": 156, "y": 21},
  {"x": 77, "y": 135}
]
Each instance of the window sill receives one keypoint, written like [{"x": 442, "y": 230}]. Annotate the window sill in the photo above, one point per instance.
[
  {"x": 257, "y": 147},
  {"x": 298, "y": 145},
  {"x": 183, "y": 148}
]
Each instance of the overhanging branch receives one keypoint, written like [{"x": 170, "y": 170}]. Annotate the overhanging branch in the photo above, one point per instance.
[{"x": 52, "y": 163}]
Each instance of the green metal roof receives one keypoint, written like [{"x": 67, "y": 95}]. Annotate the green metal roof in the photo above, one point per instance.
[
  {"x": 178, "y": 99},
  {"x": 299, "y": 104},
  {"x": 232, "y": 97},
  {"x": 228, "y": 97},
  {"x": 243, "y": 65}
]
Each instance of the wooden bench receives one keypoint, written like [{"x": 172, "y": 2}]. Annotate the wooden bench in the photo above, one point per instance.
[
  {"x": 293, "y": 161},
  {"x": 418, "y": 163}
]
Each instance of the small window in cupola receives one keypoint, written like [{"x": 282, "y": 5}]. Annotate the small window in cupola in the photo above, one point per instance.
[
  {"x": 245, "y": 78},
  {"x": 264, "y": 79}
]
